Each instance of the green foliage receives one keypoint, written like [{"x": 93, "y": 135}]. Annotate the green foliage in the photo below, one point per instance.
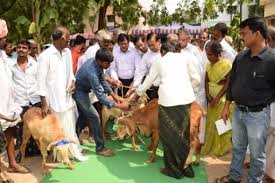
[
  {"x": 187, "y": 11},
  {"x": 256, "y": 9},
  {"x": 38, "y": 18},
  {"x": 234, "y": 30},
  {"x": 129, "y": 11}
]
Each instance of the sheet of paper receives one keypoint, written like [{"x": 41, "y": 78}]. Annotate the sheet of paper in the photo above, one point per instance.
[{"x": 222, "y": 127}]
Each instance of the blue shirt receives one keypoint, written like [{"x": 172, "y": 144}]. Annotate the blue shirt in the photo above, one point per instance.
[{"x": 91, "y": 77}]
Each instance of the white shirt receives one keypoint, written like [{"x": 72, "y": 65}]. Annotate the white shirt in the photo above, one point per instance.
[
  {"x": 116, "y": 47},
  {"x": 228, "y": 52},
  {"x": 8, "y": 106},
  {"x": 25, "y": 83},
  {"x": 55, "y": 75},
  {"x": 200, "y": 65},
  {"x": 177, "y": 80},
  {"x": 144, "y": 67},
  {"x": 9, "y": 60},
  {"x": 192, "y": 49},
  {"x": 91, "y": 51},
  {"x": 125, "y": 64}
]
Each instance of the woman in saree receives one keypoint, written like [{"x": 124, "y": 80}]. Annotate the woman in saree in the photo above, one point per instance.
[
  {"x": 175, "y": 98},
  {"x": 216, "y": 82}
]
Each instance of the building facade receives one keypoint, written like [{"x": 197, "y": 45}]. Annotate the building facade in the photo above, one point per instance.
[{"x": 269, "y": 11}]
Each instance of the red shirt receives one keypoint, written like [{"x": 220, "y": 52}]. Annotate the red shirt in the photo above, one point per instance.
[{"x": 75, "y": 54}]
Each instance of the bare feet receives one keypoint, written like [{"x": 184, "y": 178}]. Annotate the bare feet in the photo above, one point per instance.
[{"x": 18, "y": 169}]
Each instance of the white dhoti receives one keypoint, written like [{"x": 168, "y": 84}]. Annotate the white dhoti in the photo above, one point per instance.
[
  {"x": 8, "y": 106},
  {"x": 68, "y": 122},
  {"x": 270, "y": 147}
]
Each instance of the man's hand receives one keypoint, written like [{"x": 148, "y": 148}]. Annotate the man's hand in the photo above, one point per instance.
[
  {"x": 71, "y": 87},
  {"x": 130, "y": 91},
  {"x": 123, "y": 105},
  {"x": 117, "y": 99},
  {"x": 133, "y": 98},
  {"x": 10, "y": 119},
  {"x": 44, "y": 107},
  {"x": 118, "y": 84}
]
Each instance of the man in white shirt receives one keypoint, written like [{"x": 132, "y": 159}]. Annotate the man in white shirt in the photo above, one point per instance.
[
  {"x": 151, "y": 56},
  {"x": 104, "y": 39},
  {"x": 23, "y": 75},
  {"x": 204, "y": 37},
  {"x": 124, "y": 68},
  {"x": 219, "y": 32},
  {"x": 34, "y": 49},
  {"x": 140, "y": 44},
  {"x": 56, "y": 83},
  {"x": 9, "y": 109},
  {"x": 200, "y": 66},
  {"x": 10, "y": 55},
  {"x": 116, "y": 33},
  {"x": 174, "y": 106},
  {"x": 184, "y": 40}
]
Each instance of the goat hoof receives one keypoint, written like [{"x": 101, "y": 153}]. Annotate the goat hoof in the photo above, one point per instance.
[
  {"x": 196, "y": 163},
  {"x": 134, "y": 148},
  {"x": 150, "y": 147},
  {"x": 44, "y": 172},
  {"x": 151, "y": 160}
]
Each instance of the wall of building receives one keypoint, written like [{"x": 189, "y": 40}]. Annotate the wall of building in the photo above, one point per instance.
[{"x": 269, "y": 11}]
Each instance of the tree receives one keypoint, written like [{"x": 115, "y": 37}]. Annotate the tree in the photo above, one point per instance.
[
  {"x": 129, "y": 11},
  {"x": 103, "y": 4},
  {"x": 38, "y": 18},
  {"x": 158, "y": 14},
  {"x": 187, "y": 11}
]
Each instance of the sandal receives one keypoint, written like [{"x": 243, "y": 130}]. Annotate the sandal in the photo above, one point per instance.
[
  {"x": 18, "y": 169},
  {"x": 226, "y": 179}
]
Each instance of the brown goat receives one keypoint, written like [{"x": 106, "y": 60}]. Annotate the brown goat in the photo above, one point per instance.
[
  {"x": 116, "y": 112},
  {"x": 144, "y": 121},
  {"x": 47, "y": 132},
  {"x": 196, "y": 116}
]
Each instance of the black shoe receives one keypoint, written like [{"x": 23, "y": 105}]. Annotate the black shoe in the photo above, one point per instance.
[
  {"x": 189, "y": 172},
  {"x": 226, "y": 179}
]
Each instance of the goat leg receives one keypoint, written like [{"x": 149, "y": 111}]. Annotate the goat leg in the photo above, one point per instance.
[
  {"x": 26, "y": 137},
  {"x": 198, "y": 155},
  {"x": 134, "y": 145},
  {"x": 43, "y": 149},
  {"x": 155, "y": 139}
]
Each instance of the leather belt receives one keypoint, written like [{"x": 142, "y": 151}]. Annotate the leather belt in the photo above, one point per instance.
[{"x": 257, "y": 108}]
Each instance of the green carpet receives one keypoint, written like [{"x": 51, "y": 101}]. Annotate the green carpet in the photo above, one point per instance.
[{"x": 126, "y": 166}]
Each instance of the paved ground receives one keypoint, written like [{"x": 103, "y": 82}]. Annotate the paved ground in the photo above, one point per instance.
[{"x": 215, "y": 167}]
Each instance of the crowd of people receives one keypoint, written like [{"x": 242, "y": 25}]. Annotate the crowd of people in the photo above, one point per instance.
[{"x": 74, "y": 82}]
